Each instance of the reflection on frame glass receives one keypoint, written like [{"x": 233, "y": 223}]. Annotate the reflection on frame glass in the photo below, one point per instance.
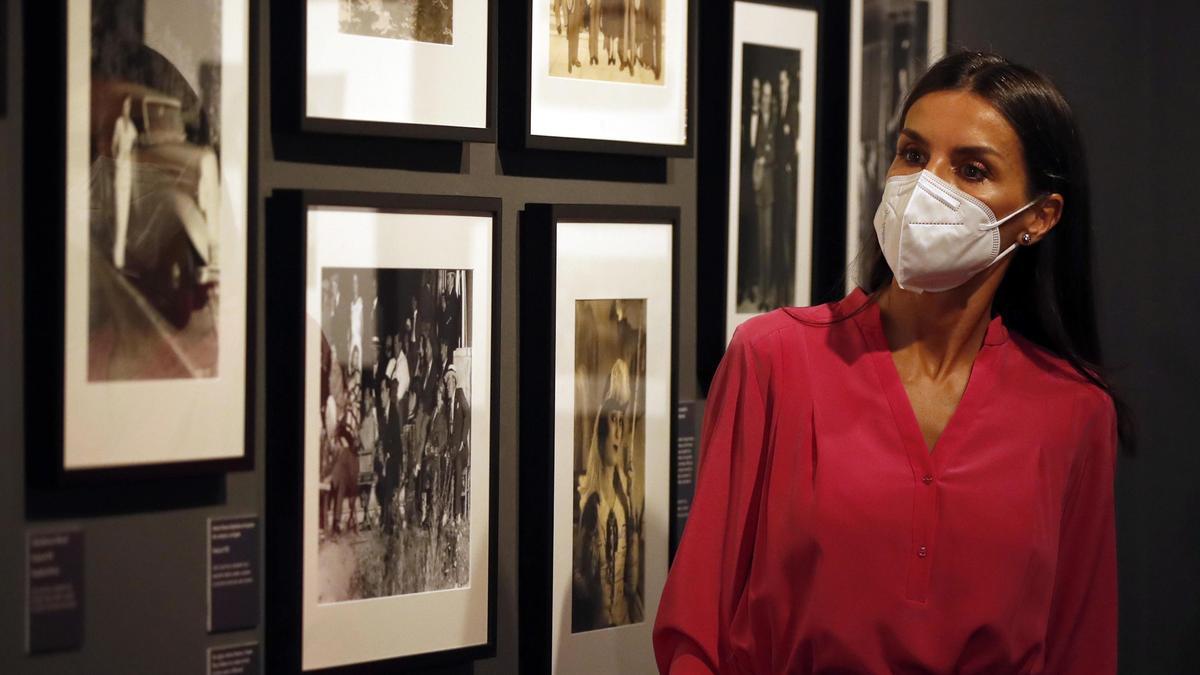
[{"x": 893, "y": 42}]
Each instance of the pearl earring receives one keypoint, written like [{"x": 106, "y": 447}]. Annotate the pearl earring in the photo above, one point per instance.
[{"x": 1025, "y": 238}]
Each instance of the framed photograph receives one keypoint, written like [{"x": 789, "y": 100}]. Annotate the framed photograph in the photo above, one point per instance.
[
  {"x": 610, "y": 76},
  {"x": 772, "y": 148},
  {"x": 383, "y": 388},
  {"x": 892, "y": 43},
  {"x": 411, "y": 68},
  {"x": 772, "y": 188},
  {"x": 137, "y": 302},
  {"x": 599, "y": 316}
]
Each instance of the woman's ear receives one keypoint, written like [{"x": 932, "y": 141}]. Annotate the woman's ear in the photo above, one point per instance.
[{"x": 1046, "y": 214}]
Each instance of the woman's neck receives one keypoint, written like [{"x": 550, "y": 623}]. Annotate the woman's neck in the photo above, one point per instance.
[
  {"x": 605, "y": 488},
  {"x": 938, "y": 331}
]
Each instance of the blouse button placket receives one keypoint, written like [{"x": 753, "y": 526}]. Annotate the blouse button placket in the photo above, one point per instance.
[{"x": 924, "y": 515}]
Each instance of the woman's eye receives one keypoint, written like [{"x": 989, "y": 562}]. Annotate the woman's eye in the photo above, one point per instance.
[
  {"x": 973, "y": 172},
  {"x": 911, "y": 156}
]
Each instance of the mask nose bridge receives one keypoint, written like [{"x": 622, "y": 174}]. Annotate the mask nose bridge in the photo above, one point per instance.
[{"x": 933, "y": 186}]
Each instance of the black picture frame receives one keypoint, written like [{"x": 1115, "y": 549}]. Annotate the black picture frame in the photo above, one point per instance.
[
  {"x": 44, "y": 245},
  {"x": 289, "y": 47},
  {"x": 537, "y": 244},
  {"x": 829, "y": 177},
  {"x": 286, "y": 241},
  {"x": 600, "y": 146}
]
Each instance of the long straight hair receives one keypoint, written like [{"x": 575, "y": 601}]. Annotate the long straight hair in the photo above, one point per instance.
[{"x": 1046, "y": 294}]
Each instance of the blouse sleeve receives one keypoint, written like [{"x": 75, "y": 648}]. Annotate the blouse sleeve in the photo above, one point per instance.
[
  {"x": 1081, "y": 635},
  {"x": 710, "y": 567}
]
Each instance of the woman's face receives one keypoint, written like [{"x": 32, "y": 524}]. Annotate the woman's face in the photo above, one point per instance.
[
  {"x": 962, "y": 139},
  {"x": 614, "y": 436}
]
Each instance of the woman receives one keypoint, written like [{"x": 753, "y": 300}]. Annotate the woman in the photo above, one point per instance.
[
  {"x": 899, "y": 481},
  {"x": 605, "y": 571}
]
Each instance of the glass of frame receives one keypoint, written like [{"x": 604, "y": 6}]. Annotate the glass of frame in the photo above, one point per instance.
[
  {"x": 138, "y": 317},
  {"x": 383, "y": 429},
  {"x": 411, "y": 68},
  {"x": 610, "y": 76},
  {"x": 892, "y": 43},
  {"x": 599, "y": 291}
]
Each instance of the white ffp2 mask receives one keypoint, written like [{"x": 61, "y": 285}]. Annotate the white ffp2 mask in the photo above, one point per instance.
[{"x": 934, "y": 236}]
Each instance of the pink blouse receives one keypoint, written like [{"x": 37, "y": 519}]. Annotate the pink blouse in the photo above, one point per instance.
[{"x": 825, "y": 537}]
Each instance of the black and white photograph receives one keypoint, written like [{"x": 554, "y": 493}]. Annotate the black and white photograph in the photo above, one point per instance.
[
  {"x": 897, "y": 40},
  {"x": 154, "y": 190},
  {"x": 420, "y": 20},
  {"x": 770, "y": 138},
  {"x": 611, "y": 40},
  {"x": 155, "y": 212},
  {"x": 772, "y": 149},
  {"x": 599, "y": 307},
  {"x": 609, "y": 494},
  {"x": 398, "y": 68},
  {"x": 609, "y": 76},
  {"x": 391, "y": 504},
  {"x": 395, "y": 432}
]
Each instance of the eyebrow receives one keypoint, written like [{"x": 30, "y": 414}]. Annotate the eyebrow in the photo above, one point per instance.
[{"x": 962, "y": 149}]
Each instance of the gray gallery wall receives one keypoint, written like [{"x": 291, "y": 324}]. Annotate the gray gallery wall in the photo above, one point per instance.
[{"x": 1123, "y": 64}]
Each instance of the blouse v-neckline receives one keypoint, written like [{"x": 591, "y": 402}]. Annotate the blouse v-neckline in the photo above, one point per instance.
[{"x": 974, "y": 397}]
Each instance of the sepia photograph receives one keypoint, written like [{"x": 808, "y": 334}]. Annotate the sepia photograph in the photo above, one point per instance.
[
  {"x": 608, "y": 587},
  {"x": 582, "y": 54},
  {"x": 154, "y": 190},
  {"x": 612, "y": 40},
  {"x": 399, "y": 68},
  {"x": 419, "y": 20},
  {"x": 597, "y": 381},
  {"x": 769, "y": 161},
  {"x": 395, "y": 436}
]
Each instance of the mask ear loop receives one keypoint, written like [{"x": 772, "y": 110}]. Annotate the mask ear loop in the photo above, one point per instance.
[
  {"x": 996, "y": 225},
  {"x": 1014, "y": 214}
]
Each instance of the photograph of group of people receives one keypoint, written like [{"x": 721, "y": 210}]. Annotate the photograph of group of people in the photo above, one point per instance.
[
  {"x": 768, "y": 185},
  {"x": 395, "y": 438},
  {"x": 615, "y": 40},
  {"x": 609, "y": 495}
]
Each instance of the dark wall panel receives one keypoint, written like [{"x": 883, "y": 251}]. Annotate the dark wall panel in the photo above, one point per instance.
[{"x": 1128, "y": 70}]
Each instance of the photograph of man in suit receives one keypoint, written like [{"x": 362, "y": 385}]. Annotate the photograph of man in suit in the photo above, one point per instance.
[
  {"x": 764, "y": 189},
  {"x": 767, "y": 165},
  {"x": 575, "y": 11},
  {"x": 787, "y": 151}
]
